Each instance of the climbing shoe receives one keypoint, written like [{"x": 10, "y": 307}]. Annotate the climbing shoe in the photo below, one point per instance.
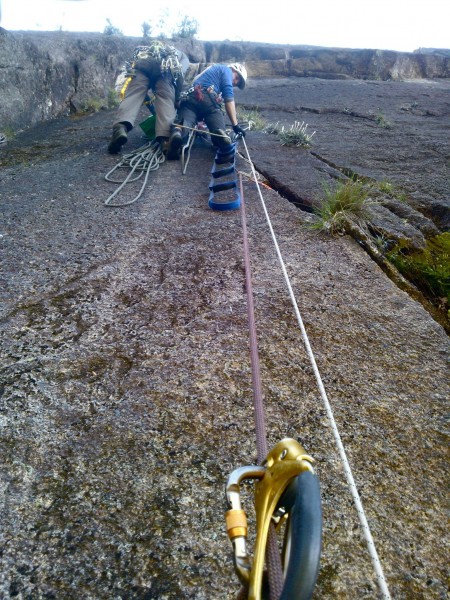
[
  {"x": 163, "y": 142},
  {"x": 119, "y": 138},
  {"x": 175, "y": 143}
]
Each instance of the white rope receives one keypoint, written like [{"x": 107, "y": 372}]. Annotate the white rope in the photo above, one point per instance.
[
  {"x": 347, "y": 470},
  {"x": 145, "y": 159}
]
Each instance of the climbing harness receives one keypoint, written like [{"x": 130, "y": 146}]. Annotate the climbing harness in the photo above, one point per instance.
[
  {"x": 139, "y": 164},
  {"x": 267, "y": 505},
  {"x": 197, "y": 92}
]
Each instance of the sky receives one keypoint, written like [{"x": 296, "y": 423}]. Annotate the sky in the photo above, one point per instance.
[{"x": 402, "y": 25}]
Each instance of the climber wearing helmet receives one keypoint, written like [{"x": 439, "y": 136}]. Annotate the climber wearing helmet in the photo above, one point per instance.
[
  {"x": 239, "y": 75},
  {"x": 203, "y": 101}
]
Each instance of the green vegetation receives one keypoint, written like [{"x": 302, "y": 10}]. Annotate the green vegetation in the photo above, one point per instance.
[
  {"x": 187, "y": 27},
  {"x": 341, "y": 206},
  {"x": 146, "y": 30},
  {"x": 386, "y": 187},
  {"x": 254, "y": 119},
  {"x": 381, "y": 121},
  {"x": 113, "y": 98},
  {"x": 92, "y": 105},
  {"x": 8, "y": 133},
  {"x": 295, "y": 136},
  {"x": 343, "y": 209},
  {"x": 161, "y": 25},
  {"x": 273, "y": 128},
  {"x": 110, "y": 29},
  {"x": 424, "y": 273},
  {"x": 428, "y": 269},
  {"x": 95, "y": 104}
]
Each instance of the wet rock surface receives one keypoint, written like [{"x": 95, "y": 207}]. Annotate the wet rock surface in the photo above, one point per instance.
[{"x": 126, "y": 389}]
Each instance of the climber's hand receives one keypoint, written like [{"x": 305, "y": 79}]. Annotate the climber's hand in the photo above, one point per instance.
[{"x": 240, "y": 133}]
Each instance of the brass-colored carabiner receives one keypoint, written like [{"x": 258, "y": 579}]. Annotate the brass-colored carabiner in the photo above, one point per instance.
[{"x": 286, "y": 460}]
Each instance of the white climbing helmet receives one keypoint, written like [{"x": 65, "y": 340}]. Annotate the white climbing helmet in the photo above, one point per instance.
[{"x": 242, "y": 72}]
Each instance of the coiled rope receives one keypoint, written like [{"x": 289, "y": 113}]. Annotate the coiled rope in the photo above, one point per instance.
[
  {"x": 346, "y": 465},
  {"x": 140, "y": 163}
]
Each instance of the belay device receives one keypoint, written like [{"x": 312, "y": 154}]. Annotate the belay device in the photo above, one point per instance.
[{"x": 286, "y": 495}]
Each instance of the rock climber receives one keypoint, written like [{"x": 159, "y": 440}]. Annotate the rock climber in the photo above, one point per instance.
[
  {"x": 158, "y": 67},
  {"x": 211, "y": 89}
]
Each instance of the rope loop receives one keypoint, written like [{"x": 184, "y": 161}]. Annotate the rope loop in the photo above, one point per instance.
[{"x": 141, "y": 162}]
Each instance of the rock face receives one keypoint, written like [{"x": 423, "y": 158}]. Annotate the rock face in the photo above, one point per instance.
[
  {"x": 125, "y": 380},
  {"x": 44, "y": 75},
  {"x": 379, "y": 132}
]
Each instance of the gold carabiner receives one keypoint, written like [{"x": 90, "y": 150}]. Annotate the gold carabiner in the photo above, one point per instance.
[{"x": 286, "y": 460}]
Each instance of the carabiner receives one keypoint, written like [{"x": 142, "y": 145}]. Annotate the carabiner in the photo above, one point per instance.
[{"x": 286, "y": 460}]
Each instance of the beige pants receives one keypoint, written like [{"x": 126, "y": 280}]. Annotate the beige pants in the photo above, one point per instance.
[{"x": 148, "y": 76}]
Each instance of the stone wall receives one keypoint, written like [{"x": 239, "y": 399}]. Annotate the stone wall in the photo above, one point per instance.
[{"x": 48, "y": 74}]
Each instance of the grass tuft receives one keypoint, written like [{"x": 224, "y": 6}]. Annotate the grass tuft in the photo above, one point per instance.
[
  {"x": 340, "y": 206},
  {"x": 273, "y": 128},
  {"x": 253, "y": 118},
  {"x": 296, "y": 135},
  {"x": 382, "y": 122}
]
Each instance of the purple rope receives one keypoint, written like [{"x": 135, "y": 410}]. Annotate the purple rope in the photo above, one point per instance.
[
  {"x": 261, "y": 437},
  {"x": 273, "y": 558}
]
